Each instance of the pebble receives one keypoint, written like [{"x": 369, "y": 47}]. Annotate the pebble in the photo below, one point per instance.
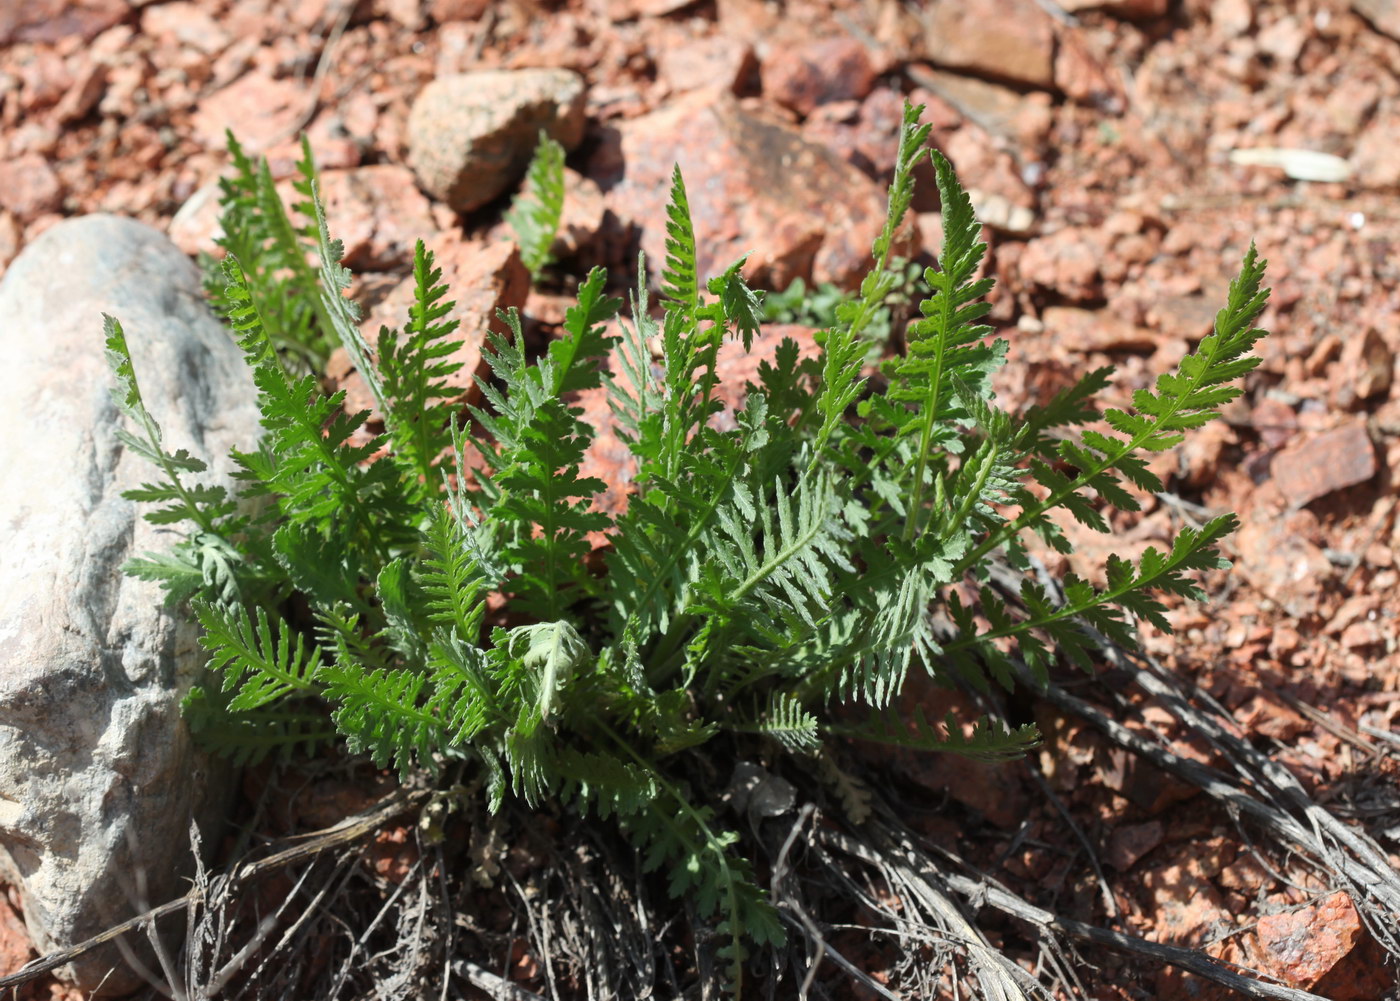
[{"x": 471, "y": 136}]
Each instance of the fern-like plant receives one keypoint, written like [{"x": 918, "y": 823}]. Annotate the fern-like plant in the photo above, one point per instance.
[{"x": 765, "y": 569}]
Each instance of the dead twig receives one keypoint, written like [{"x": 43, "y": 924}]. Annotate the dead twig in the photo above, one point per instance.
[{"x": 344, "y": 833}]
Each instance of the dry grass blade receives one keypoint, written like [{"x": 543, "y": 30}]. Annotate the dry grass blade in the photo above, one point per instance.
[
  {"x": 1348, "y": 856},
  {"x": 344, "y": 833}
]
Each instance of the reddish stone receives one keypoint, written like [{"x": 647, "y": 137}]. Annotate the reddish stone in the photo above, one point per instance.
[
  {"x": 184, "y": 23},
  {"x": 1185, "y": 906},
  {"x": 1133, "y": 10},
  {"x": 802, "y": 77},
  {"x": 1268, "y": 715},
  {"x": 1330, "y": 461},
  {"x": 1066, "y": 261},
  {"x": 29, "y": 187},
  {"x": 1094, "y": 330},
  {"x": 1364, "y": 369},
  {"x": 259, "y": 109},
  {"x": 52, "y": 20},
  {"x": 443, "y": 11},
  {"x": 1302, "y": 946},
  {"x": 755, "y": 187},
  {"x": 86, "y": 91},
  {"x": 582, "y": 218},
  {"x": 1281, "y": 556},
  {"x": 16, "y": 947},
  {"x": 715, "y": 62},
  {"x": 378, "y": 213},
  {"x": 1011, "y": 40},
  {"x": 1131, "y": 842},
  {"x": 1384, "y": 14}
]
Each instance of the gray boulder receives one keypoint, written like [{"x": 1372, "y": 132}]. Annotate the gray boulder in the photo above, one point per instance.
[
  {"x": 99, "y": 777},
  {"x": 471, "y": 135}
]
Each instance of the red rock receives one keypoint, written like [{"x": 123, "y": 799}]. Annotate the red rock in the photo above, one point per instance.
[
  {"x": 29, "y": 187},
  {"x": 1085, "y": 330},
  {"x": 715, "y": 62},
  {"x": 1066, "y": 261},
  {"x": 582, "y": 218},
  {"x": 1012, "y": 40},
  {"x": 997, "y": 110},
  {"x": 1364, "y": 370},
  {"x": 471, "y": 136},
  {"x": 16, "y": 947},
  {"x": 1384, "y": 14},
  {"x": 1373, "y": 158},
  {"x": 1275, "y": 421},
  {"x": 1281, "y": 556},
  {"x": 260, "y": 109},
  {"x": 737, "y": 369},
  {"x": 1133, "y": 10},
  {"x": 379, "y": 214},
  {"x": 755, "y": 187},
  {"x": 1360, "y": 635},
  {"x": 1131, "y": 842},
  {"x": 88, "y": 87},
  {"x": 443, "y": 11},
  {"x": 866, "y": 135},
  {"x": 43, "y": 76},
  {"x": 1081, "y": 74},
  {"x": 1270, "y": 716},
  {"x": 804, "y": 76},
  {"x": 1185, "y": 905},
  {"x": 1330, "y": 461},
  {"x": 1302, "y": 946},
  {"x": 184, "y": 23},
  {"x": 52, "y": 20}
]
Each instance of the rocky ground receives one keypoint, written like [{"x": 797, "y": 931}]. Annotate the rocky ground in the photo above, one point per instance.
[{"x": 1122, "y": 154}]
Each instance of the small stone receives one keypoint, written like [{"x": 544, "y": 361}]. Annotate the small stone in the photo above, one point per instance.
[
  {"x": 101, "y": 775},
  {"x": 1282, "y": 558},
  {"x": 1374, "y": 164},
  {"x": 582, "y": 218},
  {"x": 85, "y": 93},
  {"x": 444, "y": 11},
  {"x": 1011, "y": 40},
  {"x": 29, "y": 187},
  {"x": 1086, "y": 330},
  {"x": 378, "y": 213},
  {"x": 1066, "y": 261},
  {"x": 755, "y": 187},
  {"x": 1360, "y": 635},
  {"x": 1132, "y": 10},
  {"x": 280, "y": 105},
  {"x": 1185, "y": 905},
  {"x": 1363, "y": 371},
  {"x": 471, "y": 136},
  {"x": 801, "y": 77},
  {"x": 184, "y": 23},
  {"x": 49, "y": 21},
  {"x": 1384, "y": 14},
  {"x": 715, "y": 62},
  {"x": 1131, "y": 842},
  {"x": 1302, "y": 946},
  {"x": 1330, "y": 461}
]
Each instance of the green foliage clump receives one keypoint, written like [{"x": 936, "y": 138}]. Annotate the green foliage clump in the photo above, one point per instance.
[{"x": 804, "y": 554}]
